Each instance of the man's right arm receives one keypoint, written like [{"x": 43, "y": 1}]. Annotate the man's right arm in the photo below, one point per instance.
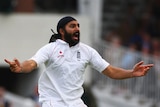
[{"x": 24, "y": 67}]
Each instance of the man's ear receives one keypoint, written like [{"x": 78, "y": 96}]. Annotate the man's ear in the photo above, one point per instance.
[{"x": 61, "y": 31}]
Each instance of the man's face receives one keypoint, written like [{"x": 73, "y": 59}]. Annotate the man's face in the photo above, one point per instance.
[{"x": 72, "y": 33}]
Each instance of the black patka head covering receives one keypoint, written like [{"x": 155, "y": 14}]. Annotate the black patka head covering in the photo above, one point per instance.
[{"x": 62, "y": 22}]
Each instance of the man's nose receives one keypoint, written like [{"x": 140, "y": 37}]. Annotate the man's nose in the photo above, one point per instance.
[{"x": 77, "y": 28}]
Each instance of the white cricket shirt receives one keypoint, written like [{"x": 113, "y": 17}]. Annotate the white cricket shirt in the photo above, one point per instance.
[{"x": 62, "y": 80}]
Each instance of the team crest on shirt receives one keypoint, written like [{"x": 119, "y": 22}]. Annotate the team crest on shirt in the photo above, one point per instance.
[{"x": 60, "y": 54}]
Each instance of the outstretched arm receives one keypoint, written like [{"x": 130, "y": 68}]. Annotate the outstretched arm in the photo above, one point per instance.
[
  {"x": 118, "y": 73},
  {"x": 24, "y": 67}
]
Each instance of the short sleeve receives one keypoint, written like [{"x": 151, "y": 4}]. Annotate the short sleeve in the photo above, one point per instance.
[
  {"x": 97, "y": 62},
  {"x": 42, "y": 55}
]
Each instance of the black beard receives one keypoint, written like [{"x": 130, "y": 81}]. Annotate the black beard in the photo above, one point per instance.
[{"x": 69, "y": 40}]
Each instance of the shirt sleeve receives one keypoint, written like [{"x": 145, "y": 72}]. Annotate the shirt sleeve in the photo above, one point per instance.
[
  {"x": 42, "y": 55},
  {"x": 97, "y": 62}
]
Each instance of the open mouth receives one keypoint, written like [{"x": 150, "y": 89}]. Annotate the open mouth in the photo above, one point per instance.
[{"x": 76, "y": 36}]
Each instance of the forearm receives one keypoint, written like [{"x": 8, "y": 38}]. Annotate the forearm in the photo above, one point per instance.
[
  {"x": 28, "y": 66},
  {"x": 117, "y": 73}
]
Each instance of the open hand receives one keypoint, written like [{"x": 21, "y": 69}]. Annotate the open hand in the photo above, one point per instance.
[
  {"x": 140, "y": 69},
  {"x": 14, "y": 65}
]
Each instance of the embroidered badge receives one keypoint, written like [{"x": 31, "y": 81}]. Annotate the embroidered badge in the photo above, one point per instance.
[
  {"x": 60, "y": 54},
  {"x": 78, "y": 55}
]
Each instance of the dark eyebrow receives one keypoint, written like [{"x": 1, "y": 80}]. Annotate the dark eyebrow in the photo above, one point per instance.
[{"x": 75, "y": 24}]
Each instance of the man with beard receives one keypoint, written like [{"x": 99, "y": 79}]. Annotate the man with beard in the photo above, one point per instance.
[{"x": 66, "y": 58}]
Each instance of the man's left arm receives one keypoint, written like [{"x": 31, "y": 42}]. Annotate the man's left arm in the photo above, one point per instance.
[{"x": 119, "y": 73}]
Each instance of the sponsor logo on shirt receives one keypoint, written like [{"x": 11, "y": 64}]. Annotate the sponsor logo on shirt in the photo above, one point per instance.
[{"x": 60, "y": 54}]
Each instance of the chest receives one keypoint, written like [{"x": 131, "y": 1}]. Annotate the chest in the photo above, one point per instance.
[{"x": 68, "y": 57}]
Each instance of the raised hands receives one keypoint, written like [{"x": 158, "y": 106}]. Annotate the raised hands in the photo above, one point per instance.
[{"x": 15, "y": 65}]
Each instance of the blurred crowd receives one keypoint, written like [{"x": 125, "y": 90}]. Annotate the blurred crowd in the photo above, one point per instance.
[
  {"x": 140, "y": 31},
  {"x": 31, "y": 6},
  {"x": 3, "y": 101},
  {"x": 137, "y": 38}
]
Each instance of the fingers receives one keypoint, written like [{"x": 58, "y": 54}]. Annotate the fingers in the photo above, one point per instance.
[
  {"x": 139, "y": 63},
  {"x": 150, "y": 65},
  {"x": 14, "y": 65},
  {"x": 142, "y": 69},
  {"x": 147, "y": 65},
  {"x": 7, "y": 61},
  {"x": 17, "y": 62},
  {"x": 14, "y": 62},
  {"x": 146, "y": 68},
  {"x": 11, "y": 63}
]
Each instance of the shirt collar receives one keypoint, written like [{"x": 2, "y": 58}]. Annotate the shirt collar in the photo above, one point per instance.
[
  {"x": 61, "y": 41},
  {"x": 65, "y": 43}
]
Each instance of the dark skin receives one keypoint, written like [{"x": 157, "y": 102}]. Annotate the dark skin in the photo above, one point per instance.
[{"x": 72, "y": 29}]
